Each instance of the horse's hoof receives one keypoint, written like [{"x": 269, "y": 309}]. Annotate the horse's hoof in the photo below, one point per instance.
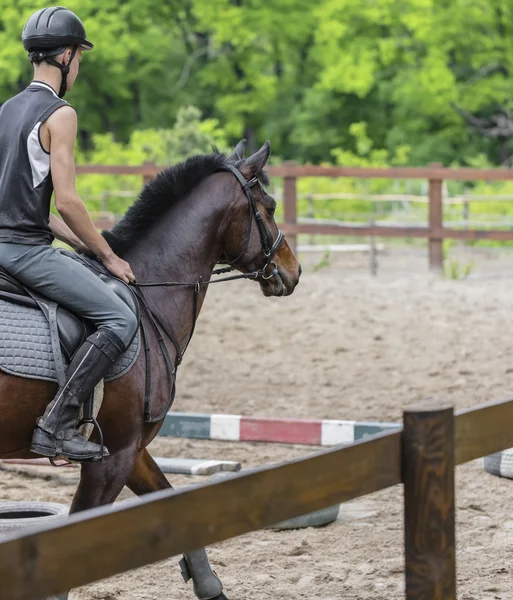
[{"x": 220, "y": 597}]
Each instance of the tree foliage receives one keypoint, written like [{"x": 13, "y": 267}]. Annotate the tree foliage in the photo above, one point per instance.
[
  {"x": 310, "y": 76},
  {"x": 190, "y": 135}
]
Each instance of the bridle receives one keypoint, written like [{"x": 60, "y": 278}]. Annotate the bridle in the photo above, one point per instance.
[{"x": 269, "y": 249}]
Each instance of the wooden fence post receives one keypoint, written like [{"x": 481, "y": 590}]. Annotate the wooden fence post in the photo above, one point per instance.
[
  {"x": 436, "y": 255},
  {"x": 290, "y": 205},
  {"x": 428, "y": 477},
  {"x": 147, "y": 177}
]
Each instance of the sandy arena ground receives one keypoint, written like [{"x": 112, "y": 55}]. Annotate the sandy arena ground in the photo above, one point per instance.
[{"x": 344, "y": 346}]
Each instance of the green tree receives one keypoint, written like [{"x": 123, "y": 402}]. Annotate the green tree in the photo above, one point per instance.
[
  {"x": 399, "y": 64},
  {"x": 114, "y": 193},
  {"x": 298, "y": 72}
]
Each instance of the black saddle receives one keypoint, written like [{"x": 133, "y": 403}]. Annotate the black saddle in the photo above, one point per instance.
[{"x": 67, "y": 330}]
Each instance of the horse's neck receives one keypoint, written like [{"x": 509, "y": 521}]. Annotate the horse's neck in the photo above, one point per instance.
[{"x": 183, "y": 247}]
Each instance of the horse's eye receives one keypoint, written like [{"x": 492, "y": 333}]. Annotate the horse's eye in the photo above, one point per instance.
[{"x": 271, "y": 211}]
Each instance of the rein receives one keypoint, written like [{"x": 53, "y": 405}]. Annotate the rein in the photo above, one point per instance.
[{"x": 269, "y": 250}]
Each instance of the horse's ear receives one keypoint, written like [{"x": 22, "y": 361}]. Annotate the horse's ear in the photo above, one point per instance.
[
  {"x": 255, "y": 163},
  {"x": 238, "y": 152}
]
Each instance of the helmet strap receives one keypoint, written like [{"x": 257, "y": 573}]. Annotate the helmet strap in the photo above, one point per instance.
[{"x": 64, "y": 70}]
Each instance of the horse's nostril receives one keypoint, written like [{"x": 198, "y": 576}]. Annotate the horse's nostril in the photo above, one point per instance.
[{"x": 300, "y": 271}]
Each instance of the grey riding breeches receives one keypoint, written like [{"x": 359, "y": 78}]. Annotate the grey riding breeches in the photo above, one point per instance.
[{"x": 66, "y": 281}]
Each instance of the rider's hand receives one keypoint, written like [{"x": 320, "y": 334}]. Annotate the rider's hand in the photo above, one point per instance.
[{"x": 119, "y": 268}]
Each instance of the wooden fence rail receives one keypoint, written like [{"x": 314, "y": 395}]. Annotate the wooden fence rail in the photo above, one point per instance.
[
  {"x": 105, "y": 541},
  {"x": 434, "y": 231}
]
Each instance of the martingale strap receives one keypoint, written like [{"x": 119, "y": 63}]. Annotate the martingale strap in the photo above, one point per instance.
[
  {"x": 171, "y": 368},
  {"x": 171, "y": 371}
]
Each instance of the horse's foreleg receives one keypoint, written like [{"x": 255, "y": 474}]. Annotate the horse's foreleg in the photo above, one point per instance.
[
  {"x": 146, "y": 478},
  {"x": 102, "y": 482}
]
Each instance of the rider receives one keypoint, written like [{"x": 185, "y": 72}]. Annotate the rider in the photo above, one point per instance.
[{"x": 37, "y": 135}]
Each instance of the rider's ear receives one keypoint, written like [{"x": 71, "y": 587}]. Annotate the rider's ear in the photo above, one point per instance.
[
  {"x": 66, "y": 56},
  {"x": 254, "y": 164},
  {"x": 238, "y": 152}
]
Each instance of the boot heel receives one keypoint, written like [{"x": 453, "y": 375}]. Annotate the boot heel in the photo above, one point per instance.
[{"x": 42, "y": 444}]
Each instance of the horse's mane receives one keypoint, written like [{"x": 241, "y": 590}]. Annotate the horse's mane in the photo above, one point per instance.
[
  {"x": 157, "y": 196},
  {"x": 162, "y": 192}
]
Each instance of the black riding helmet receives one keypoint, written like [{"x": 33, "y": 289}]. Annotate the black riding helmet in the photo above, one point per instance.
[{"x": 48, "y": 32}]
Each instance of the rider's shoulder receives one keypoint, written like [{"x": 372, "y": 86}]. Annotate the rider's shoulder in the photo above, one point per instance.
[{"x": 64, "y": 116}]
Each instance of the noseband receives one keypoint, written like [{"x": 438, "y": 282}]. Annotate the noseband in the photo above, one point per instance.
[{"x": 268, "y": 247}]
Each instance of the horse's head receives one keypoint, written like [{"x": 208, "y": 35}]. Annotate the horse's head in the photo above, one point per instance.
[{"x": 253, "y": 242}]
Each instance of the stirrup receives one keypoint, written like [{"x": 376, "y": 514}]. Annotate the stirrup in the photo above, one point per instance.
[
  {"x": 92, "y": 421},
  {"x": 51, "y": 447}
]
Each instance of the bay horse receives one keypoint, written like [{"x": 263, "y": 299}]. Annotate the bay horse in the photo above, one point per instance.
[{"x": 209, "y": 209}]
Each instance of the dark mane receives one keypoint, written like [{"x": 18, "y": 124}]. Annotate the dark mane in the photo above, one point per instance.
[{"x": 162, "y": 192}]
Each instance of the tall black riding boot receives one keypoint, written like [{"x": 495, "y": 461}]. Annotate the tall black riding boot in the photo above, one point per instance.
[{"x": 56, "y": 434}]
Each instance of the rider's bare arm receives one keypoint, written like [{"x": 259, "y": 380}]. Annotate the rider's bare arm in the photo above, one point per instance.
[
  {"x": 62, "y": 130},
  {"x": 59, "y": 133},
  {"x": 63, "y": 233}
]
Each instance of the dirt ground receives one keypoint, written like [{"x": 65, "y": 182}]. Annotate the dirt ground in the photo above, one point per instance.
[{"x": 345, "y": 346}]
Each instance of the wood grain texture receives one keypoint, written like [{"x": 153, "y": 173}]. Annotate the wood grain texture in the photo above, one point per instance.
[
  {"x": 102, "y": 542},
  {"x": 484, "y": 430},
  {"x": 429, "y": 513}
]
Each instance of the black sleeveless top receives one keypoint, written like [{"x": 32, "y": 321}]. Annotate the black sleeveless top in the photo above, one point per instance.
[{"x": 26, "y": 185}]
